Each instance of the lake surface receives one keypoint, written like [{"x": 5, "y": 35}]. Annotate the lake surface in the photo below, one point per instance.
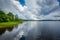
[{"x": 32, "y": 30}]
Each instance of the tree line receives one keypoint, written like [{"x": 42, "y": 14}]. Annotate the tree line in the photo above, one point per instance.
[{"x": 8, "y": 17}]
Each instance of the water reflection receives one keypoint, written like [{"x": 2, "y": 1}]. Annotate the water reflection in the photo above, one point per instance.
[
  {"x": 22, "y": 38},
  {"x": 48, "y": 30},
  {"x": 2, "y": 31},
  {"x": 33, "y": 30},
  {"x": 10, "y": 28}
]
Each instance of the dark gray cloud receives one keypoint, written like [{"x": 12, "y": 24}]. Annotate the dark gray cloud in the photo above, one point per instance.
[
  {"x": 48, "y": 6},
  {"x": 34, "y": 9}
]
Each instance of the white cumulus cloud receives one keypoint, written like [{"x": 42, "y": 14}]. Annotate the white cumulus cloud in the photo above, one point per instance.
[
  {"x": 34, "y": 9},
  {"x": 44, "y": 9}
]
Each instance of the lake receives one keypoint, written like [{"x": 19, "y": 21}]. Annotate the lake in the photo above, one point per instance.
[{"x": 32, "y": 30}]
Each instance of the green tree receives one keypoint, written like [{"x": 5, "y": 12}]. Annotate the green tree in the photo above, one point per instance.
[
  {"x": 16, "y": 18},
  {"x": 3, "y": 16},
  {"x": 10, "y": 16}
]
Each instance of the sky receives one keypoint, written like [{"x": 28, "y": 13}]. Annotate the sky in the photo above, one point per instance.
[
  {"x": 32, "y": 9},
  {"x": 22, "y": 2}
]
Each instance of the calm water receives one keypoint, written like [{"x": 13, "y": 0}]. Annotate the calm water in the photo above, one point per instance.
[{"x": 32, "y": 30}]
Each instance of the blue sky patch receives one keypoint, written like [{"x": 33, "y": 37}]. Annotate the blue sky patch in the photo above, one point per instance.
[
  {"x": 59, "y": 2},
  {"x": 22, "y": 2}
]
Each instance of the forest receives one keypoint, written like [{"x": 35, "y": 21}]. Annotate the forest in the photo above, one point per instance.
[{"x": 7, "y": 17}]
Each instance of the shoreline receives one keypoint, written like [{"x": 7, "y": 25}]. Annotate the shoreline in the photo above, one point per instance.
[{"x": 9, "y": 24}]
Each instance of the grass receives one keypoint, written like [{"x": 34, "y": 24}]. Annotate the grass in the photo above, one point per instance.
[{"x": 8, "y": 24}]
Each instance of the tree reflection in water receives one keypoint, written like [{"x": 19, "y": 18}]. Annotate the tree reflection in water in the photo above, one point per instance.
[
  {"x": 10, "y": 28},
  {"x": 2, "y": 30}
]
